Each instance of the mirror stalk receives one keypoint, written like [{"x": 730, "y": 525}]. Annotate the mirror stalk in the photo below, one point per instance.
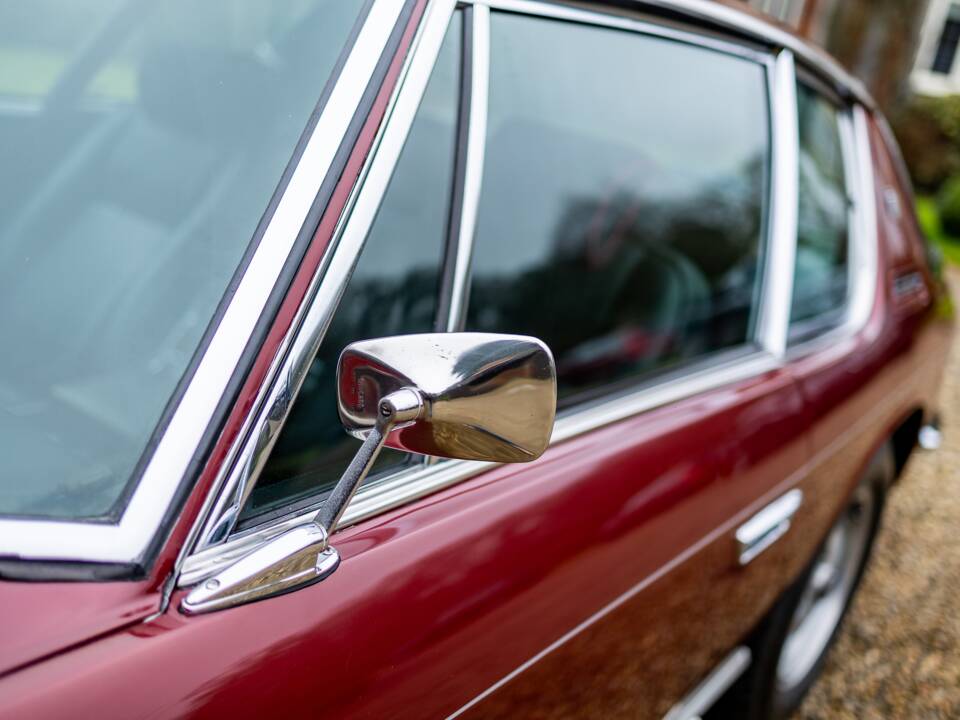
[
  {"x": 399, "y": 407},
  {"x": 303, "y": 556}
]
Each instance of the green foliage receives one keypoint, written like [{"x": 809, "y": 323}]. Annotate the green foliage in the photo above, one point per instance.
[
  {"x": 929, "y": 134},
  {"x": 948, "y": 206},
  {"x": 946, "y": 111},
  {"x": 929, "y": 218}
]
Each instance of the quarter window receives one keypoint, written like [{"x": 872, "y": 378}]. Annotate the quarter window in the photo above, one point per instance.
[
  {"x": 821, "y": 277},
  {"x": 394, "y": 290},
  {"x": 623, "y": 202}
]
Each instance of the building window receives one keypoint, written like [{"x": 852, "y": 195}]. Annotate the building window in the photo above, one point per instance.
[{"x": 947, "y": 45}]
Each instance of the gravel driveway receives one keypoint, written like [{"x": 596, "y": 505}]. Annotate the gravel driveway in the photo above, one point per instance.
[{"x": 898, "y": 655}]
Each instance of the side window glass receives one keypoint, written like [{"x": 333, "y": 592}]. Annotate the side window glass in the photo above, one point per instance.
[
  {"x": 393, "y": 291},
  {"x": 821, "y": 277},
  {"x": 623, "y": 200},
  {"x": 140, "y": 146}
]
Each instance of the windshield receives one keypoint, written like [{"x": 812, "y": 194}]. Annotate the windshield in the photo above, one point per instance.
[{"x": 141, "y": 144}]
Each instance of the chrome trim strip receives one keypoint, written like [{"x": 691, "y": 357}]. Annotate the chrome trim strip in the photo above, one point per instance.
[
  {"x": 712, "y": 688},
  {"x": 864, "y": 242},
  {"x": 777, "y": 293},
  {"x": 767, "y": 526},
  {"x": 129, "y": 539},
  {"x": 864, "y": 259},
  {"x": 473, "y": 164},
  {"x": 548, "y": 9},
  {"x": 633, "y": 403},
  {"x": 317, "y": 310}
]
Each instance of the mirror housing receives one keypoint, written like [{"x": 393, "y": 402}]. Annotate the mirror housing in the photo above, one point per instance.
[{"x": 484, "y": 396}]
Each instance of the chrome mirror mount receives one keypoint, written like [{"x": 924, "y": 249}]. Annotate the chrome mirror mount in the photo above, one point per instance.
[
  {"x": 302, "y": 556},
  {"x": 473, "y": 396}
]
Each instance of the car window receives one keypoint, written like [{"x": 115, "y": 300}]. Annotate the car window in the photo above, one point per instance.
[
  {"x": 34, "y": 56},
  {"x": 394, "y": 290},
  {"x": 141, "y": 144},
  {"x": 821, "y": 277},
  {"x": 624, "y": 191}
]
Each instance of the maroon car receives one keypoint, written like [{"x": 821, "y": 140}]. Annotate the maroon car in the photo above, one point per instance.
[{"x": 433, "y": 359}]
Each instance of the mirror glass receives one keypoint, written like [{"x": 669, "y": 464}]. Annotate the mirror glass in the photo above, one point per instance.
[{"x": 486, "y": 396}]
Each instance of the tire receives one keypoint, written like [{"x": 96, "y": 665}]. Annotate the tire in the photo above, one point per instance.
[{"x": 791, "y": 644}]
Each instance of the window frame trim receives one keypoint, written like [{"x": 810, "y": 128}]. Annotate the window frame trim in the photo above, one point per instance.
[
  {"x": 415, "y": 482},
  {"x": 241, "y": 468},
  {"x": 809, "y": 335},
  {"x": 468, "y": 172},
  {"x": 778, "y": 225},
  {"x": 777, "y": 279}
]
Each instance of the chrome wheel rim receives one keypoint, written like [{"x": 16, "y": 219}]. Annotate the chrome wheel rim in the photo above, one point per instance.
[{"x": 826, "y": 593}]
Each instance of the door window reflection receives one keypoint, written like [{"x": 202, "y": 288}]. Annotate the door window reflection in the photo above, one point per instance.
[{"x": 623, "y": 199}]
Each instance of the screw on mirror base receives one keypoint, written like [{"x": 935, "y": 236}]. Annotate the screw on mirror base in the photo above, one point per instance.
[{"x": 295, "y": 559}]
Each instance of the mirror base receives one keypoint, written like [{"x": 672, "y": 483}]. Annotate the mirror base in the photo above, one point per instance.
[{"x": 295, "y": 559}]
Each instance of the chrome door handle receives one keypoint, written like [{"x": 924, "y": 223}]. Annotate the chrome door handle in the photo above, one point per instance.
[{"x": 767, "y": 526}]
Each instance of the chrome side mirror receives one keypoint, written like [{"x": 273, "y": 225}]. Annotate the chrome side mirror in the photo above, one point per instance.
[
  {"x": 473, "y": 396},
  {"x": 480, "y": 396}
]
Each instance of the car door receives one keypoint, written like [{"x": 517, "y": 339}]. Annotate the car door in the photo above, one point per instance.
[
  {"x": 554, "y": 182},
  {"x": 620, "y": 187}
]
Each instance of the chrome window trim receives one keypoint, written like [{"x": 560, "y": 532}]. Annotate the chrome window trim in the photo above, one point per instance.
[
  {"x": 421, "y": 480},
  {"x": 864, "y": 259},
  {"x": 247, "y": 456},
  {"x": 571, "y": 13},
  {"x": 328, "y": 283},
  {"x": 709, "y": 690},
  {"x": 828, "y": 322},
  {"x": 863, "y": 244},
  {"x": 475, "y": 151},
  {"x": 777, "y": 288},
  {"x": 721, "y": 17},
  {"x": 780, "y": 226},
  {"x": 127, "y": 540}
]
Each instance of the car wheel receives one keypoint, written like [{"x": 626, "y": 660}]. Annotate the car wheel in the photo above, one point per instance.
[{"x": 790, "y": 646}]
